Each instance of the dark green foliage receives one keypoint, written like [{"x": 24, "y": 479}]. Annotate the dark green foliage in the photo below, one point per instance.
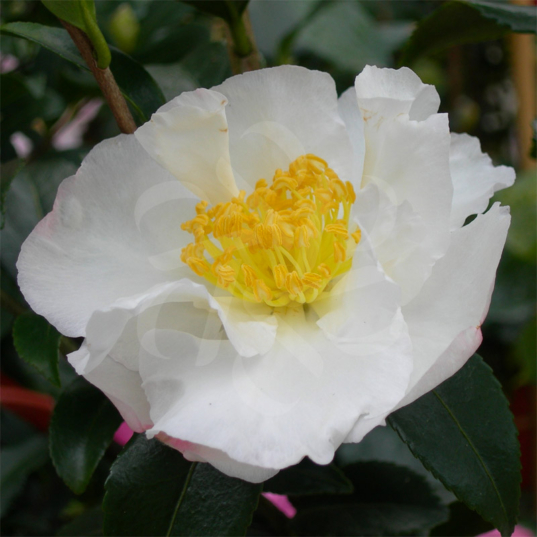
[
  {"x": 18, "y": 461},
  {"x": 228, "y": 10},
  {"x": 464, "y": 434},
  {"x": 153, "y": 490},
  {"x": 458, "y": 22},
  {"x": 37, "y": 343},
  {"x": 309, "y": 478},
  {"x": 387, "y": 500},
  {"x": 82, "y": 427},
  {"x": 136, "y": 84}
]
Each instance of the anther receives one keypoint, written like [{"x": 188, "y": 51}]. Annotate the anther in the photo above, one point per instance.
[
  {"x": 357, "y": 235},
  {"x": 339, "y": 252},
  {"x": 261, "y": 291},
  {"x": 280, "y": 273}
]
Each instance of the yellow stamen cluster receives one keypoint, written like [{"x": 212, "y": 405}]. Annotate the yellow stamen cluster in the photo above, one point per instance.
[{"x": 283, "y": 243}]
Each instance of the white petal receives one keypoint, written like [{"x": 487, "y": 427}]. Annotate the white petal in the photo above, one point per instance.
[
  {"x": 408, "y": 161},
  {"x": 352, "y": 117},
  {"x": 398, "y": 234},
  {"x": 189, "y": 137},
  {"x": 455, "y": 299},
  {"x": 363, "y": 427},
  {"x": 475, "y": 178},
  {"x": 275, "y": 115},
  {"x": 122, "y": 328},
  {"x": 198, "y": 453},
  {"x": 300, "y": 399},
  {"x": 447, "y": 364},
  {"x": 361, "y": 315},
  {"x": 121, "y": 385},
  {"x": 389, "y": 92},
  {"x": 113, "y": 227}
]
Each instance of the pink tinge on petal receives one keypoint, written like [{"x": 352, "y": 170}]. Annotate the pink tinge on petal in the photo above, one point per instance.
[
  {"x": 519, "y": 532},
  {"x": 123, "y": 434},
  {"x": 282, "y": 503}
]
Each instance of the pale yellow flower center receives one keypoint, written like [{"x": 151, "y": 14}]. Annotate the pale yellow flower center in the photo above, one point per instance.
[{"x": 283, "y": 243}]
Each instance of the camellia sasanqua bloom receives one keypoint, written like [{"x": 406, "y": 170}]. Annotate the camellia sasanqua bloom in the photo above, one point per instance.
[{"x": 264, "y": 271}]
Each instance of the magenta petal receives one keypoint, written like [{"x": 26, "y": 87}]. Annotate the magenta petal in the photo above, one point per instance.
[
  {"x": 123, "y": 434},
  {"x": 282, "y": 503},
  {"x": 519, "y": 532}
]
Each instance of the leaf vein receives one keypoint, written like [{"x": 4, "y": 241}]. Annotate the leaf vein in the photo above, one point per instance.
[{"x": 474, "y": 449}]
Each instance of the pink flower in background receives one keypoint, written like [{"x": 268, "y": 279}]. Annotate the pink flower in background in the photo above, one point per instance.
[{"x": 519, "y": 532}]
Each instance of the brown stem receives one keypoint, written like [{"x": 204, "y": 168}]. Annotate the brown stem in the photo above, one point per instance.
[
  {"x": 105, "y": 79},
  {"x": 523, "y": 72},
  {"x": 250, "y": 62}
]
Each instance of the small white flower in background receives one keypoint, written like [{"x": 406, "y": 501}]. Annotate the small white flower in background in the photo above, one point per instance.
[{"x": 263, "y": 272}]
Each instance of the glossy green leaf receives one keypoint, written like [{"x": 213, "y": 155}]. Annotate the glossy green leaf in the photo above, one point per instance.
[
  {"x": 37, "y": 343},
  {"x": 18, "y": 461},
  {"x": 136, "y": 84},
  {"x": 82, "y": 427},
  {"x": 458, "y": 22},
  {"x": 463, "y": 432},
  {"x": 153, "y": 490},
  {"x": 387, "y": 500},
  {"x": 309, "y": 478},
  {"x": 72, "y": 11},
  {"x": 81, "y": 13}
]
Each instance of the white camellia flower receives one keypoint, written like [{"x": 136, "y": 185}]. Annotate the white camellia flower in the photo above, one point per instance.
[{"x": 263, "y": 272}]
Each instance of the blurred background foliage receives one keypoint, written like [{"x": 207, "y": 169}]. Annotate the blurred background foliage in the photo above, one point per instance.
[{"x": 52, "y": 114}]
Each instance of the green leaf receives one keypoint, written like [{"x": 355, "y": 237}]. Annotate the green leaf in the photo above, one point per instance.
[
  {"x": 30, "y": 198},
  {"x": 228, "y": 10},
  {"x": 82, "y": 427},
  {"x": 387, "y": 500},
  {"x": 72, "y": 11},
  {"x": 383, "y": 444},
  {"x": 457, "y": 22},
  {"x": 81, "y": 13},
  {"x": 135, "y": 83},
  {"x": 208, "y": 64},
  {"x": 309, "y": 478},
  {"x": 153, "y": 490},
  {"x": 37, "y": 343},
  {"x": 231, "y": 11},
  {"x": 16, "y": 464},
  {"x": 345, "y": 34},
  {"x": 463, "y": 432}
]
